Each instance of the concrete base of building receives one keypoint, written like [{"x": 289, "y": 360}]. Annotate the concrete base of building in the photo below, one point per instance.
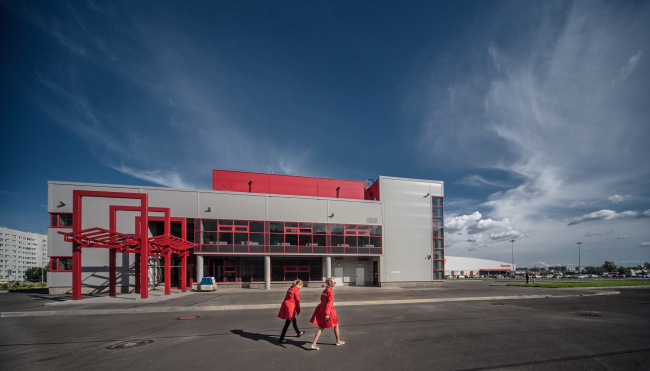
[
  {"x": 412, "y": 284},
  {"x": 89, "y": 290}
]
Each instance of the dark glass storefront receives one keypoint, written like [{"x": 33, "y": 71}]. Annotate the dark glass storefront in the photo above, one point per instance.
[{"x": 244, "y": 269}]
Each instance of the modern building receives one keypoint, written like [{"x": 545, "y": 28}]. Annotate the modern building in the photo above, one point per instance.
[
  {"x": 20, "y": 251},
  {"x": 461, "y": 266},
  {"x": 256, "y": 230}
]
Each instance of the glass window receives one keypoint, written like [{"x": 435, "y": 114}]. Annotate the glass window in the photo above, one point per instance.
[
  {"x": 375, "y": 230},
  {"x": 336, "y": 229},
  {"x": 351, "y": 241},
  {"x": 257, "y": 238},
  {"x": 304, "y": 225},
  {"x": 304, "y": 240},
  {"x": 225, "y": 238},
  {"x": 338, "y": 240},
  {"x": 438, "y": 264},
  {"x": 65, "y": 220},
  {"x": 437, "y": 244},
  {"x": 209, "y": 225},
  {"x": 291, "y": 239},
  {"x": 438, "y": 275},
  {"x": 438, "y": 254},
  {"x": 436, "y": 211},
  {"x": 375, "y": 241},
  {"x": 436, "y": 201},
  {"x": 276, "y": 239},
  {"x": 225, "y": 222},
  {"x": 293, "y": 225},
  {"x": 276, "y": 227},
  {"x": 363, "y": 241},
  {"x": 241, "y": 238},
  {"x": 438, "y": 233},
  {"x": 350, "y": 226},
  {"x": 209, "y": 237},
  {"x": 241, "y": 229},
  {"x": 437, "y": 222},
  {"x": 363, "y": 227},
  {"x": 256, "y": 227},
  {"x": 319, "y": 228},
  {"x": 319, "y": 240},
  {"x": 241, "y": 222},
  {"x": 277, "y": 273}
]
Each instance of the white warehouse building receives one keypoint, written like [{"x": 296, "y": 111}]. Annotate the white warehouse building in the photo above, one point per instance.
[{"x": 462, "y": 266}]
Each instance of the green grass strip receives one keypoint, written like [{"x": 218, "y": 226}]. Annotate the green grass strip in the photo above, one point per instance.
[{"x": 561, "y": 285}]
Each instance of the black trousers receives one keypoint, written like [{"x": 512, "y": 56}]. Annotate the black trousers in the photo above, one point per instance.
[{"x": 286, "y": 327}]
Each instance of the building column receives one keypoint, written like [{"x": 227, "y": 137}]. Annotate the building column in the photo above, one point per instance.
[
  {"x": 76, "y": 271},
  {"x": 184, "y": 273},
  {"x": 327, "y": 264},
  {"x": 112, "y": 272},
  {"x": 199, "y": 269},
  {"x": 267, "y": 272},
  {"x": 168, "y": 273},
  {"x": 136, "y": 266}
]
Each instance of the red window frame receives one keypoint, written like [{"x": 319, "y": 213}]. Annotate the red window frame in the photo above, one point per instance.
[
  {"x": 55, "y": 220},
  {"x": 54, "y": 264}
]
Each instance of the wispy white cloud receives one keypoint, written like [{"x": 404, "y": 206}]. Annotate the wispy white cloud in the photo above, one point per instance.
[
  {"x": 618, "y": 198},
  {"x": 462, "y": 222},
  {"x": 478, "y": 181},
  {"x": 644, "y": 244},
  {"x": 627, "y": 70},
  {"x": 162, "y": 177},
  {"x": 608, "y": 215}
]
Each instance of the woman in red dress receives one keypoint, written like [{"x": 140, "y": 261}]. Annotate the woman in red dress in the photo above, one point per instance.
[
  {"x": 325, "y": 315},
  {"x": 290, "y": 309}
]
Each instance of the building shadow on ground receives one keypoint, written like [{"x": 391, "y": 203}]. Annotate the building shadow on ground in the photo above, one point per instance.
[{"x": 272, "y": 339}]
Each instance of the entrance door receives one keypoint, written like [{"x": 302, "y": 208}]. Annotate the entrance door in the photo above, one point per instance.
[
  {"x": 375, "y": 273},
  {"x": 360, "y": 277},
  {"x": 338, "y": 274}
]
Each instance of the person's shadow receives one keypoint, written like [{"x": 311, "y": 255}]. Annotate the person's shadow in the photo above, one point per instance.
[{"x": 272, "y": 339}]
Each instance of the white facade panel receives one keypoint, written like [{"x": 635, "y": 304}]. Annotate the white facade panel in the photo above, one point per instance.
[
  {"x": 182, "y": 203},
  {"x": 297, "y": 209},
  {"x": 232, "y": 206},
  {"x": 355, "y": 212},
  {"x": 57, "y": 246}
]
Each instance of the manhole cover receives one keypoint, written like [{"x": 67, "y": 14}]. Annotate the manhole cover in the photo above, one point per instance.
[
  {"x": 590, "y": 315},
  {"x": 498, "y": 304},
  {"x": 129, "y": 344},
  {"x": 187, "y": 318}
]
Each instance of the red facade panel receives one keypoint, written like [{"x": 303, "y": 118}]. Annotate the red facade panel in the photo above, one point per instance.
[
  {"x": 239, "y": 181},
  {"x": 293, "y": 185},
  {"x": 372, "y": 193}
]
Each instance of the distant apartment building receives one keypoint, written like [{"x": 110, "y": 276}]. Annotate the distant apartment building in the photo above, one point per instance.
[{"x": 20, "y": 251}]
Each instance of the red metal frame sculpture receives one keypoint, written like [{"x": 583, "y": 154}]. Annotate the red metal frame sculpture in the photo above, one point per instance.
[{"x": 140, "y": 244}]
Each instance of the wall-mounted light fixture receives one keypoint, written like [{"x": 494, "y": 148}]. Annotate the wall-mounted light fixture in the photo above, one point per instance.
[
  {"x": 331, "y": 215},
  {"x": 427, "y": 195},
  {"x": 428, "y": 257},
  {"x": 208, "y": 209},
  {"x": 61, "y": 204}
]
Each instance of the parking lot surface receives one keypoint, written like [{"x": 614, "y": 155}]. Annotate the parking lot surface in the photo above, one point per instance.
[{"x": 599, "y": 332}]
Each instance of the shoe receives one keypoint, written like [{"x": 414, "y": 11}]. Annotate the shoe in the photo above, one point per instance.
[
  {"x": 282, "y": 341},
  {"x": 300, "y": 334},
  {"x": 314, "y": 348},
  {"x": 341, "y": 343}
]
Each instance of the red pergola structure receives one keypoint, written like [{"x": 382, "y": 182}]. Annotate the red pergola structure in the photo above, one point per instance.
[{"x": 139, "y": 244}]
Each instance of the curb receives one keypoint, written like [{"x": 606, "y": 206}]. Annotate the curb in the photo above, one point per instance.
[{"x": 215, "y": 308}]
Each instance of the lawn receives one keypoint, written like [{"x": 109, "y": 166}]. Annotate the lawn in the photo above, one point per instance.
[
  {"x": 586, "y": 284},
  {"x": 5, "y": 286}
]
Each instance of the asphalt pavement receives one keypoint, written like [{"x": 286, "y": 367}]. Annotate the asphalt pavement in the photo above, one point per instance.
[{"x": 500, "y": 328}]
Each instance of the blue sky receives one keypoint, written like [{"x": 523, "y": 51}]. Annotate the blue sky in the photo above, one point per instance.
[{"x": 534, "y": 114}]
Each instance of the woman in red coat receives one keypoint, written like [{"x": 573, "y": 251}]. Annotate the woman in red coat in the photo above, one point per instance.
[
  {"x": 325, "y": 315},
  {"x": 290, "y": 309}
]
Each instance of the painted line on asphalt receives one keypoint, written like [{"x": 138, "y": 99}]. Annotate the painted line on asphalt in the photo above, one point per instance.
[{"x": 212, "y": 308}]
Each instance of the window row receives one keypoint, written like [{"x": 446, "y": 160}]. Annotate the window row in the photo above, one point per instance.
[
  {"x": 272, "y": 239},
  {"x": 282, "y": 249},
  {"x": 246, "y": 226},
  {"x": 252, "y": 269}
]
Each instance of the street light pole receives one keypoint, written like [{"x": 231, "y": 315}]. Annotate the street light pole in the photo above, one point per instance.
[
  {"x": 579, "y": 243},
  {"x": 513, "y": 256}
]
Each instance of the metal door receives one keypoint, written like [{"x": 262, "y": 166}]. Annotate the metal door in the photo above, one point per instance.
[{"x": 360, "y": 277}]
